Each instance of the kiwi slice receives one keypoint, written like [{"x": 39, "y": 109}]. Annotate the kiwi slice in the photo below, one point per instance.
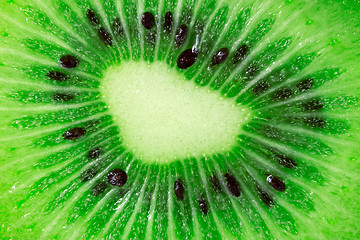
[{"x": 179, "y": 119}]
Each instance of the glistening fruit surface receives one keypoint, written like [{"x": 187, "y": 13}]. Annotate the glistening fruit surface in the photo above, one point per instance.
[{"x": 281, "y": 163}]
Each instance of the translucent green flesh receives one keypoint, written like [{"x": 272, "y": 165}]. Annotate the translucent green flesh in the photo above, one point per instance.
[{"x": 43, "y": 194}]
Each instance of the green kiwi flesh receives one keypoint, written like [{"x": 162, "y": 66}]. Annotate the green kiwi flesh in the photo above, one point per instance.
[{"x": 179, "y": 119}]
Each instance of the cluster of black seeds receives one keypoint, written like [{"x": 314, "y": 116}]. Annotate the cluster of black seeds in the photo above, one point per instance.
[
  {"x": 103, "y": 34},
  {"x": 187, "y": 58}
]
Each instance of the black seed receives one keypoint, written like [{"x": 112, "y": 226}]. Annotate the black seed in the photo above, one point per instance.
[
  {"x": 220, "y": 56},
  {"x": 88, "y": 175},
  {"x": 93, "y": 19},
  {"x": 276, "y": 183},
  {"x": 94, "y": 153},
  {"x": 168, "y": 21},
  {"x": 240, "y": 53},
  {"x": 105, "y": 37},
  {"x": 265, "y": 197},
  {"x": 117, "y": 177},
  {"x": 181, "y": 35},
  {"x": 215, "y": 183},
  {"x": 312, "y": 105},
  {"x": 62, "y": 97},
  {"x": 179, "y": 189},
  {"x": 316, "y": 122},
  {"x": 203, "y": 206},
  {"x": 58, "y": 76},
  {"x": 74, "y": 133},
  {"x": 305, "y": 85},
  {"x": 282, "y": 94},
  {"x": 69, "y": 61},
  {"x": 117, "y": 26},
  {"x": 232, "y": 185},
  {"x": 286, "y": 161},
  {"x": 99, "y": 189},
  {"x": 186, "y": 59},
  {"x": 148, "y": 20},
  {"x": 260, "y": 88}
]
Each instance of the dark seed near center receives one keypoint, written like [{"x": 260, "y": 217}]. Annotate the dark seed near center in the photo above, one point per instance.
[
  {"x": 179, "y": 190},
  {"x": 203, "y": 206},
  {"x": 232, "y": 185},
  {"x": 220, "y": 56},
  {"x": 69, "y": 61},
  {"x": 105, "y": 37},
  {"x": 265, "y": 197},
  {"x": 276, "y": 183},
  {"x": 57, "y": 76},
  {"x": 186, "y": 59},
  {"x": 148, "y": 20},
  {"x": 181, "y": 35},
  {"x": 168, "y": 22},
  {"x": 240, "y": 53},
  {"x": 93, "y": 19},
  {"x": 286, "y": 161},
  {"x": 117, "y": 177},
  {"x": 215, "y": 183},
  {"x": 74, "y": 133}
]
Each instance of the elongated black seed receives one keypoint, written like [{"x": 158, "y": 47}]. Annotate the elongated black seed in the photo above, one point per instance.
[
  {"x": 88, "y": 174},
  {"x": 58, "y": 76},
  {"x": 282, "y": 94},
  {"x": 316, "y": 122},
  {"x": 93, "y": 19},
  {"x": 286, "y": 161},
  {"x": 276, "y": 183},
  {"x": 203, "y": 206},
  {"x": 168, "y": 22},
  {"x": 179, "y": 190},
  {"x": 181, "y": 35},
  {"x": 220, "y": 56},
  {"x": 99, "y": 189},
  {"x": 260, "y": 88},
  {"x": 265, "y": 197},
  {"x": 74, "y": 133},
  {"x": 117, "y": 26},
  {"x": 62, "y": 97},
  {"x": 215, "y": 183},
  {"x": 69, "y": 61},
  {"x": 305, "y": 85},
  {"x": 148, "y": 20},
  {"x": 240, "y": 53},
  {"x": 117, "y": 177},
  {"x": 105, "y": 37},
  {"x": 186, "y": 59},
  {"x": 94, "y": 153},
  {"x": 232, "y": 185},
  {"x": 312, "y": 105}
]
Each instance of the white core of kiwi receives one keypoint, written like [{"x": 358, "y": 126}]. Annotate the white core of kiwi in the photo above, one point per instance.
[{"x": 163, "y": 117}]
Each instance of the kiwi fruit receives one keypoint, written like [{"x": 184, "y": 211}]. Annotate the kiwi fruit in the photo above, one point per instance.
[{"x": 179, "y": 119}]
